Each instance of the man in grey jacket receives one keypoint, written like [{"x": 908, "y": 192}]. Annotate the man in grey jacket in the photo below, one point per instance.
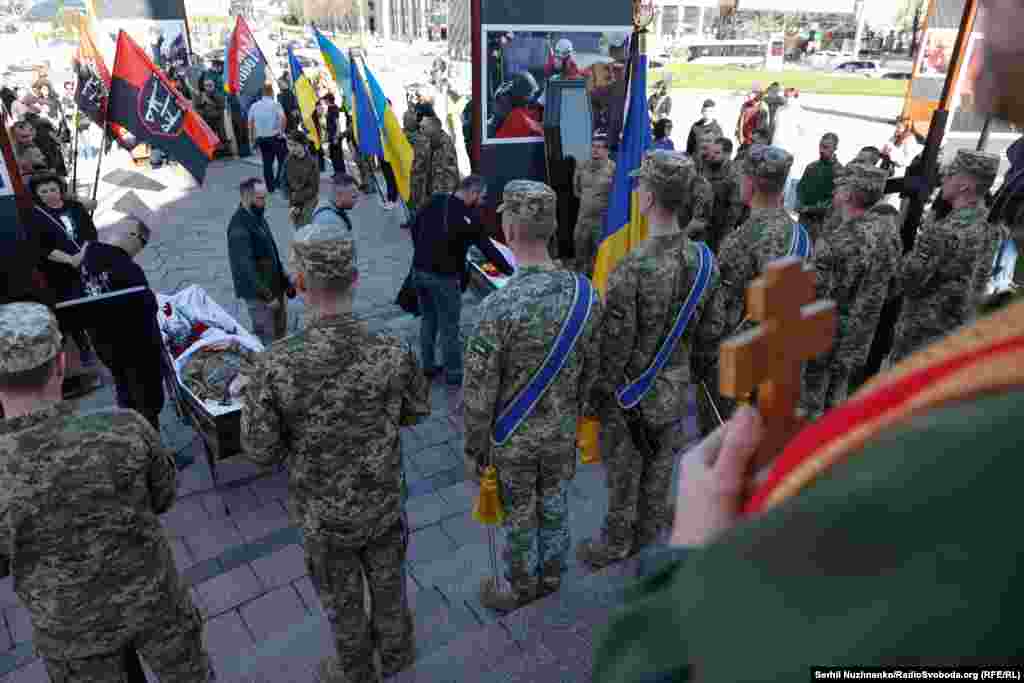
[{"x": 256, "y": 267}]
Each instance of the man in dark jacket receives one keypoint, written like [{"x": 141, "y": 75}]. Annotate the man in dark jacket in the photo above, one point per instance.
[
  {"x": 256, "y": 266},
  {"x": 442, "y": 233},
  {"x": 125, "y": 332}
]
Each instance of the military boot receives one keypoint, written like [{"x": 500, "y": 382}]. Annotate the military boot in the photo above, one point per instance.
[
  {"x": 550, "y": 578},
  {"x": 330, "y": 671},
  {"x": 598, "y": 554},
  {"x": 502, "y": 599}
]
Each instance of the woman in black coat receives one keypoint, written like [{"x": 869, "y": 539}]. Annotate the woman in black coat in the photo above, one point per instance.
[{"x": 62, "y": 227}]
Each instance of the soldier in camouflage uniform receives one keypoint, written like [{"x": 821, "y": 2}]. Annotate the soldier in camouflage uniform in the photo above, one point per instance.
[
  {"x": 517, "y": 330},
  {"x": 330, "y": 401},
  {"x": 696, "y": 221},
  {"x": 855, "y": 271},
  {"x": 645, "y": 293},
  {"x": 727, "y": 207},
  {"x": 945, "y": 275},
  {"x": 435, "y": 166},
  {"x": 592, "y": 185},
  {"x": 80, "y": 496},
  {"x": 765, "y": 236}
]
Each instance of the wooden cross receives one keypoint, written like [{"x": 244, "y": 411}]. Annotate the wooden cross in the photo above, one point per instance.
[{"x": 794, "y": 328}]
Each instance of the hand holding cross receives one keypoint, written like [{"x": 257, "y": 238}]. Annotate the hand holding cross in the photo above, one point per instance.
[{"x": 794, "y": 328}]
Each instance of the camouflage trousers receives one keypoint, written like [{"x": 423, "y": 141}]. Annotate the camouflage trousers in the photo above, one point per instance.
[
  {"x": 585, "y": 238},
  {"x": 638, "y": 486},
  {"x": 337, "y": 573},
  {"x": 174, "y": 650},
  {"x": 707, "y": 418},
  {"x": 825, "y": 386},
  {"x": 535, "y": 535}
]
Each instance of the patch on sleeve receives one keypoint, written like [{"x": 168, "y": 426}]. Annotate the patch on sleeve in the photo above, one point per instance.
[{"x": 480, "y": 346}]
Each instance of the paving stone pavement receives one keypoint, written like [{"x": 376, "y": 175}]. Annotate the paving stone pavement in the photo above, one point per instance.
[{"x": 233, "y": 543}]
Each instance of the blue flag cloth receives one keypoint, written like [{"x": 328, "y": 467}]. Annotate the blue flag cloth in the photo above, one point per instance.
[{"x": 367, "y": 127}]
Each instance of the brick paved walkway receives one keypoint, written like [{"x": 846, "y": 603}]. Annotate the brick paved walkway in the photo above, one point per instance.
[{"x": 234, "y": 546}]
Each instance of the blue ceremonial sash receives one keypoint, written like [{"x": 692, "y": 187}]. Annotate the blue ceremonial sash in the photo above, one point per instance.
[
  {"x": 801, "y": 244},
  {"x": 631, "y": 394},
  {"x": 520, "y": 407}
]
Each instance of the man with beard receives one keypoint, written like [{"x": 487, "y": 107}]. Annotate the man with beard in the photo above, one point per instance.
[
  {"x": 256, "y": 267},
  {"x": 592, "y": 185},
  {"x": 727, "y": 208}
]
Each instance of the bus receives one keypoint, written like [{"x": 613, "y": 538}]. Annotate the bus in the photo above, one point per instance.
[{"x": 726, "y": 52}]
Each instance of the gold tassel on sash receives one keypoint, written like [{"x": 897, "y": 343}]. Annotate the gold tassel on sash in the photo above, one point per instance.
[
  {"x": 588, "y": 440},
  {"x": 487, "y": 509}
]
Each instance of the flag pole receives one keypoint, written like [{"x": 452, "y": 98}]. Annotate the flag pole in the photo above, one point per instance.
[
  {"x": 74, "y": 150},
  {"x": 99, "y": 162}
]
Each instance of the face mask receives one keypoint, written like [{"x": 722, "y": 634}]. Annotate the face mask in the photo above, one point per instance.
[{"x": 258, "y": 210}]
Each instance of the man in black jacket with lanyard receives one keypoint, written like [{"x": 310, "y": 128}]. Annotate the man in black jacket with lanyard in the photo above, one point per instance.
[{"x": 442, "y": 233}]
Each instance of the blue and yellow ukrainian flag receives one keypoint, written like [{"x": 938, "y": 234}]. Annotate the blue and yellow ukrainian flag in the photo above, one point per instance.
[
  {"x": 365, "y": 121},
  {"x": 624, "y": 227},
  {"x": 397, "y": 150},
  {"x": 306, "y": 94},
  {"x": 337, "y": 64}
]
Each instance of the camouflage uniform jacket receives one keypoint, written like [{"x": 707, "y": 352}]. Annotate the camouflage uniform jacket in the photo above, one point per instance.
[
  {"x": 302, "y": 177},
  {"x": 211, "y": 109},
  {"x": 516, "y": 332},
  {"x": 944, "y": 276},
  {"x": 727, "y": 207},
  {"x": 330, "y": 400},
  {"x": 79, "y": 499},
  {"x": 855, "y": 271},
  {"x": 645, "y": 292},
  {"x": 592, "y": 184},
  {"x": 766, "y": 236},
  {"x": 435, "y": 168},
  {"x": 696, "y": 223}
]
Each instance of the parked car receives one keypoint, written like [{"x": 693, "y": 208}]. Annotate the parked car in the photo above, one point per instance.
[
  {"x": 898, "y": 75},
  {"x": 862, "y": 68}
]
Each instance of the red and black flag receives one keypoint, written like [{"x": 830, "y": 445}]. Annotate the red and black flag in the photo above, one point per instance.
[
  {"x": 246, "y": 68},
  {"x": 93, "y": 78},
  {"x": 143, "y": 100}
]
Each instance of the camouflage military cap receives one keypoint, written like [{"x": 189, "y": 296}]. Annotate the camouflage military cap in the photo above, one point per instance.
[
  {"x": 326, "y": 253},
  {"x": 29, "y": 337},
  {"x": 863, "y": 178},
  {"x": 667, "y": 173},
  {"x": 981, "y": 165},
  {"x": 767, "y": 161},
  {"x": 529, "y": 201}
]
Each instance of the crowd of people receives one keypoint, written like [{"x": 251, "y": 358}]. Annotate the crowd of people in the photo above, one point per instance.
[{"x": 547, "y": 353}]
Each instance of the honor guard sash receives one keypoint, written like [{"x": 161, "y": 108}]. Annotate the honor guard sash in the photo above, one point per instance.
[
  {"x": 801, "y": 243},
  {"x": 630, "y": 394},
  {"x": 520, "y": 407}
]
